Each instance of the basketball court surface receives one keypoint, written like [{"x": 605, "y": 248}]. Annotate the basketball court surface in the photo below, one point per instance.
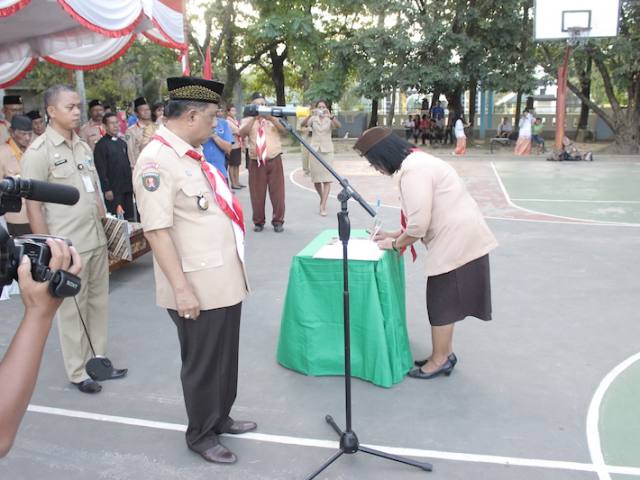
[{"x": 548, "y": 390}]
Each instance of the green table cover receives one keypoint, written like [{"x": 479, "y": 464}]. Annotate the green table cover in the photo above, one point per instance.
[{"x": 312, "y": 331}]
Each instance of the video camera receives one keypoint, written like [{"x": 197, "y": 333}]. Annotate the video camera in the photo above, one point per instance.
[{"x": 12, "y": 249}]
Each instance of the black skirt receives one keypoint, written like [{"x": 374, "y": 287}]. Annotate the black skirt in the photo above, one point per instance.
[
  {"x": 460, "y": 293},
  {"x": 235, "y": 157}
]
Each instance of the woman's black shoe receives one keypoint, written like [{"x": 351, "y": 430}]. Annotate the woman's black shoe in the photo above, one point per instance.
[
  {"x": 445, "y": 369},
  {"x": 422, "y": 363},
  {"x": 89, "y": 386}
]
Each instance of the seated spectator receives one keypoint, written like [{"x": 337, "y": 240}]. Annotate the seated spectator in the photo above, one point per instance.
[
  {"x": 505, "y": 128},
  {"x": 570, "y": 153},
  {"x": 536, "y": 135}
]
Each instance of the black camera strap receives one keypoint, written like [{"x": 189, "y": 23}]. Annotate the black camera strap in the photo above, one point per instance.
[{"x": 84, "y": 326}]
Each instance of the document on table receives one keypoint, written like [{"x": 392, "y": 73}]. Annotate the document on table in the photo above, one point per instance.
[{"x": 359, "y": 249}]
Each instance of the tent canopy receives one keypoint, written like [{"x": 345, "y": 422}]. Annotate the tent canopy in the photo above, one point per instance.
[{"x": 81, "y": 34}]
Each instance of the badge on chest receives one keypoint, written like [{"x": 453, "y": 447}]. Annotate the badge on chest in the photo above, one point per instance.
[{"x": 203, "y": 202}]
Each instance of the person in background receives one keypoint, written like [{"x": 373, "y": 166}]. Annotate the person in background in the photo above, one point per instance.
[
  {"x": 265, "y": 166},
  {"x": 416, "y": 128},
  {"x": 408, "y": 127},
  {"x": 59, "y": 155},
  {"x": 437, "y": 112},
  {"x": 37, "y": 123},
  {"x": 523, "y": 145},
  {"x": 93, "y": 130},
  {"x": 132, "y": 118},
  {"x": 505, "y": 128},
  {"x": 219, "y": 144},
  {"x": 536, "y": 135},
  {"x": 461, "y": 138},
  {"x": 21, "y": 362},
  {"x": 11, "y": 153},
  {"x": 305, "y": 132},
  {"x": 11, "y": 105},
  {"x": 140, "y": 133},
  {"x": 424, "y": 128},
  {"x": 448, "y": 131},
  {"x": 157, "y": 113},
  {"x": 235, "y": 156},
  {"x": 112, "y": 162},
  {"x": 321, "y": 122},
  {"x": 438, "y": 211}
]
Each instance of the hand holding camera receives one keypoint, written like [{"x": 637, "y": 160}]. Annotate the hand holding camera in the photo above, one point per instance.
[{"x": 37, "y": 295}]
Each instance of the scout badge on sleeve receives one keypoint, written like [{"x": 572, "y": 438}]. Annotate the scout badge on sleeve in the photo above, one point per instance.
[{"x": 150, "y": 177}]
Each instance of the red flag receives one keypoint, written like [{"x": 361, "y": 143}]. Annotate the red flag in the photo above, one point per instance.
[{"x": 207, "y": 73}]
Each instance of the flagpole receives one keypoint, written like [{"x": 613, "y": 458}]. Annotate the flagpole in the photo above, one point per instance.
[{"x": 186, "y": 68}]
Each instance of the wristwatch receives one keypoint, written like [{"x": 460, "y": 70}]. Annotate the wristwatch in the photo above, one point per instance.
[{"x": 393, "y": 245}]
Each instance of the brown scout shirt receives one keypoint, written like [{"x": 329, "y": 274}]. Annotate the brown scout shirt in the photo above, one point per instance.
[
  {"x": 321, "y": 133},
  {"x": 4, "y": 131},
  {"x": 137, "y": 137},
  {"x": 168, "y": 184},
  {"x": 52, "y": 158},
  {"x": 10, "y": 167},
  {"x": 442, "y": 213},
  {"x": 274, "y": 145}
]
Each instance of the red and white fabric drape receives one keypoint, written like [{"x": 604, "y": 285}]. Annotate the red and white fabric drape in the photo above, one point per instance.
[{"x": 82, "y": 34}]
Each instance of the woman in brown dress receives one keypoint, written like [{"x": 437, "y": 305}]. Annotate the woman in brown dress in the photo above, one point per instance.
[{"x": 321, "y": 122}]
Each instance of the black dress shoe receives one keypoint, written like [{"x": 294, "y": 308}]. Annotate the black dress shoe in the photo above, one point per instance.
[
  {"x": 422, "y": 363},
  {"x": 237, "y": 427},
  {"x": 258, "y": 228},
  {"x": 118, "y": 373},
  {"x": 235, "y": 187},
  {"x": 445, "y": 369},
  {"x": 278, "y": 228},
  {"x": 218, "y": 454},
  {"x": 89, "y": 386}
]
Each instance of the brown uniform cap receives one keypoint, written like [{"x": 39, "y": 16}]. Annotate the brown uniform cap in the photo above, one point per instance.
[{"x": 370, "y": 138}]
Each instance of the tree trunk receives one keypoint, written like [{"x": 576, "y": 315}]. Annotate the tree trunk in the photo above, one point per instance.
[
  {"x": 392, "y": 109},
  {"x": 473, "y": 98},
  {"x": 453, "y": 100},
  {"x": 373, "y": 121},
  {"x": 277, "y": 73},
  {"x": 585, "y": 88},
  {"x": 626, "y": 139},
  {"x": 516, "y": 123}
]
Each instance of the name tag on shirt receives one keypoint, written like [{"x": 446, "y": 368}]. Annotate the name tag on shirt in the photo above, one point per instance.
[{"x": 88, "y": 184}]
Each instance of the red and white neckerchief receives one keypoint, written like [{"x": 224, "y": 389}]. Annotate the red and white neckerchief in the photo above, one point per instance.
[
  {"x": 226, "y": 200},
  {"x": 261, "y": 142}
]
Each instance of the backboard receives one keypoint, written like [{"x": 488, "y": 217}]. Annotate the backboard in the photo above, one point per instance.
[{"x": 560, "y": 19}]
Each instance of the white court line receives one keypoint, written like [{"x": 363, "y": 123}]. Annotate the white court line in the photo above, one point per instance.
[
  {"x": 581, "y": 220},
  {"x": 317, "y": 443},
  {"x": 507, "y": 219},
  {"x": 593, "y": 417},
  {"x": 557, "y": 200}
]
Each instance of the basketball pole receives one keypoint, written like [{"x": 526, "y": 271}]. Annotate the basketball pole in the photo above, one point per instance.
[{"x": 561, "y": 98}]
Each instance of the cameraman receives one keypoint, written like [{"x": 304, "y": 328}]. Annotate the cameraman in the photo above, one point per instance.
[{"x": 19, "y": 367}]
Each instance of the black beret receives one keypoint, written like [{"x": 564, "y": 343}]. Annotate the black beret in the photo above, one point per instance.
[
  {"x": 21, "y": 122},
  {"x": 33, "y": 114},
  {"x": 139, "y": 101},
  {"x": 194, "y": 89},
  {"x": 12, "y": 100}
]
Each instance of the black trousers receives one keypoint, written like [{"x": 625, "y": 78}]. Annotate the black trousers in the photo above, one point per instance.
[{"x": 209, "y": 375}]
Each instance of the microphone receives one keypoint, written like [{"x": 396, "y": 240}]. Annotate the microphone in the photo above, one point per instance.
[
  {"x": 39, "y": 191},
  {"x": 287, "y": 111}
]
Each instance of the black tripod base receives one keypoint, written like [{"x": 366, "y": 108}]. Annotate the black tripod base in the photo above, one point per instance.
[{"x": 349, "y": 444}]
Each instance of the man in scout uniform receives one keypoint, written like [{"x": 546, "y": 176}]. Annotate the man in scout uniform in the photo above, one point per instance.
[
  {"x": 11, "y": 105},
  {"x": 10, "y": 158},
  {"x": 265, "y": 166},
  {"x": 59, "y": 156},
  {"x": 93, "y": 130},
  {"x": 195, "y": 227},
  {"x": 139, "y": 134},
  {"x": 37, "y": 123}
]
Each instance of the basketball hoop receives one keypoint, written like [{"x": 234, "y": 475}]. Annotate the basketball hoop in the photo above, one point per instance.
[{"x": 578, "y": 35}]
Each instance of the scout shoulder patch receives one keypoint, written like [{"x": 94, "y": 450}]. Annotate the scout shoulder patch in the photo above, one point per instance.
[{"x": 150, "y": 177}]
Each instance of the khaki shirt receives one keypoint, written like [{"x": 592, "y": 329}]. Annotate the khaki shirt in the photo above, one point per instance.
[
  {"x": 274, "y": 145},
  {"x": 91, "y": 132},
  {"x": 321, "y": 133},
  {"x": 4, "y": 131},
  {"x": 168, "y": 184},
  {"x": 137, "y": 137},
  {"x": 9, "y": 167},
  {"x": 442, "y": 213},
  {"x": 52, "y": 158}
]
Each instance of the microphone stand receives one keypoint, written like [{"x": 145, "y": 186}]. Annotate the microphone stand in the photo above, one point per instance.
[{"x": 349, "y": 442}]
